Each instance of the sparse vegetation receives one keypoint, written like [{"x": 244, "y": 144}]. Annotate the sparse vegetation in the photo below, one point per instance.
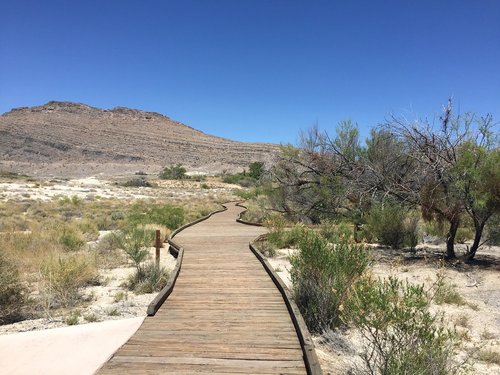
[
  {"x": 137, "y": 182},
  {"x": 174, "y": 172},
  {"x": 445, "y": 292},
  {"x": 401, "y": 335},
  {"x": 489, "y": 356},
  {"x": 12, "y": 291}
]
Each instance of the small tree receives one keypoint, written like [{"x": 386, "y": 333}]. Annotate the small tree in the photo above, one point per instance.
[
  {"x": 432, "y": 157},
  {"x": 478, "y": 179},
  {"x": 135, "y": 242},
  {"x": 256, "y": 169},
  {"x": 174, "y": 172}
]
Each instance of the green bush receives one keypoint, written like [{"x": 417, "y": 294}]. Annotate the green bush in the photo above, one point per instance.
[
  {"x": 393, "y": 226},
  {"x": 12, "y": 291},
  {"x": 401, "y": 335},
  {"x": 136, "y": 242},
  {"x": 167, "y": 215},
  {"x": 335, "y": 232},
  {"x": 323, "y": 275},
  {"x": 174, "y": 172},
  {"x": 276, "y": 226},
  {"x": 137, "y": 182},
  {"x": 71, "y": 238}
]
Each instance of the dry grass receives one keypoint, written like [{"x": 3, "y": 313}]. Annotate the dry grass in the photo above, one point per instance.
[{"x": 45, "y": 245}]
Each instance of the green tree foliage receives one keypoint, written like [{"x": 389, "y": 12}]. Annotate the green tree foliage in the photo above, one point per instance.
[
  {"x": 477, "y": 176},
  {"x": 256, "y": 169},
  {"x": 174, "y": 172}
]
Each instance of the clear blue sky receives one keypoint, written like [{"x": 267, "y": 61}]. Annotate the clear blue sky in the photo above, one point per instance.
[{"x": 256, "y": 70}]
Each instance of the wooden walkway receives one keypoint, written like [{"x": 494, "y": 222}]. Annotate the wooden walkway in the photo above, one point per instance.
[{"x": 225, "y": 315}]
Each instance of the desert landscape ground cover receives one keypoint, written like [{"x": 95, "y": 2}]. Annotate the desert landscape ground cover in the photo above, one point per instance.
[
  {"x": 390, "y": 247},
  {"x": 61, "y": 257}
]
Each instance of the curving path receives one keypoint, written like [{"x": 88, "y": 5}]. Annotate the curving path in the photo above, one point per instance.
[{"x": 225, "y": 315}]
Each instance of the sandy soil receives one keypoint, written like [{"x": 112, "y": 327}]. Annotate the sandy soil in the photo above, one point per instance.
[
  {"x": 91, "y": 187},
  {"x": 478, "y": 320}
]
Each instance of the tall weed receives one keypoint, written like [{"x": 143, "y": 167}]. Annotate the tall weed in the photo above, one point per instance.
[{"x": 63, "y": 275}]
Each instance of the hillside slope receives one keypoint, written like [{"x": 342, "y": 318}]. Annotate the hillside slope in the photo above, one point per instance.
[{"x": 72, "y": 139}]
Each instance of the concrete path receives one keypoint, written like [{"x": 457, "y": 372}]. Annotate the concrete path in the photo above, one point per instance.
[{"x": 75, "y": 350}]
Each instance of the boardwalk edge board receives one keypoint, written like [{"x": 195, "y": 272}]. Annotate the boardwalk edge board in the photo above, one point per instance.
[
  {"x": 310, "y": 358},
  {"x": 243, "y": 221},
  {"x": 178, "y": 252}
]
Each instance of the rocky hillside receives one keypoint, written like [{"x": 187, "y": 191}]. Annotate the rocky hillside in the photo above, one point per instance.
[{"x": 72, "y": 139}]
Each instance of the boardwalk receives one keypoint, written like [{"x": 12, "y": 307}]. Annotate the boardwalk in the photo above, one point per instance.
[{"x": 225, "y": 314}]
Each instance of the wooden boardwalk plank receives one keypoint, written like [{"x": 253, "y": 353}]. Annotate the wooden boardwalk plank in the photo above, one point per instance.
[{"x": 225, "y": 315}]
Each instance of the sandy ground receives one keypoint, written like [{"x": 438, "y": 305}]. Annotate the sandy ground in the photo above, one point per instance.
[
  {"x": 92, "y": 187},
  {"x": 478, "y": 320},
  {"x": 72, "y": 350}
]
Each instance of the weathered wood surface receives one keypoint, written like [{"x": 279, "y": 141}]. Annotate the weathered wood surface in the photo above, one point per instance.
[{"x": 225, "y": 315}]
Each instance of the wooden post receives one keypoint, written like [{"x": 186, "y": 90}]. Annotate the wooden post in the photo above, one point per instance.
[{"x": 158, "y": 246}]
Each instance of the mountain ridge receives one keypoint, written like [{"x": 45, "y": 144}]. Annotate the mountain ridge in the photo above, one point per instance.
[{"x": 75, "y": 139}]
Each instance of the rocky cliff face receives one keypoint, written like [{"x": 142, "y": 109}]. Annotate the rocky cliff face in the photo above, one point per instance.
[{"x": 72, "y": 139}]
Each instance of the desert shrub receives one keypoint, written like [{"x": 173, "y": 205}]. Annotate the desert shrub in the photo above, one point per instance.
[
  {"x": 73, "y": 317},
  {"x": 266, "y": 248},
  {"x": 12, "y": 291},
  {"x": 174, "y": 172},
  {"x": 74, "y": 200},
  {"x": 436, "y": 228},
  {"x": 335, "y": 232},
  {"x": 151, "y": 279},
  {"x": 71, "y": 237},
  {"x": 233, "y": 178},
  {"x": 400, "y": 334},
  {"x": 136, "y": 242},
  {"x": 248, "y": 194},
  {"x": 107, "y": 251},
  {"x": 89, "y": 229},
  {"x": 137, "y": 182},
  {"x": 275, "y": 224},
  {"x": 464, "y": 234},
  {"x": 444, "y": 292},
  {"x": 323, "y": 275},
  {"x": 489, "y": 356},
  {"x": 256, "y": 210},
  {"x": 294, "y": 235},
  {"x": 170, "y": 216},
  {"x": 394, "y": 226},
  {"x": 63, "y": 276}
]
